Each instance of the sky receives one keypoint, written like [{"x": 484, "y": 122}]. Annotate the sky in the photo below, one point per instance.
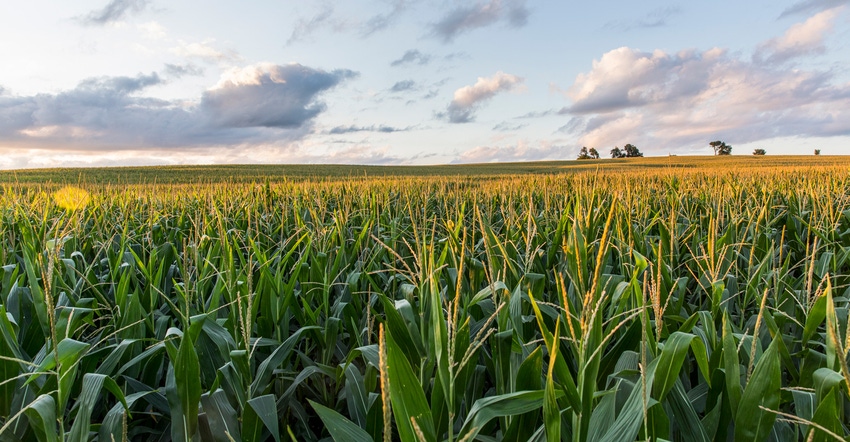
[{"x": 151, "y": 82}]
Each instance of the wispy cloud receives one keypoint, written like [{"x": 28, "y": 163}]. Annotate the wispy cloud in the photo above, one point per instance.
[
  {"x": 263, "y": 103},
  {"x": 808, "y": 7},
  {"x": 468, "y": 98},
  {"x": 801, "y": 39},
  {"x": 339, "y": 130},
  {"x": 656, "y": 18},
  {"x": 183, "y": 70},
  {"x": 306, "y": 27},
  {"x": 115, "y": 10},
  {"x": 507, "y": 126},
  {"x": 379, "y": 22},
  {"x": 205, "y": 51},
  {"x": 479, "y": 15},
  {"x": 402, "y": 86},
  {"x": 412, "y": 56}
]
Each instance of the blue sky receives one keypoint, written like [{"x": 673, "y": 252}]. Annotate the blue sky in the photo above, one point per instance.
[{"x": 130, "y": 82}]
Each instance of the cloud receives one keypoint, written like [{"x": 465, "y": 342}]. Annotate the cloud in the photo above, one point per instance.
[
  {"x": 339, "y": 130},
  {"x": 263, "y": 103},
  {"x": 506, "y": 126},
  {"x": 412, "y": 56},
  {"x": 521, "y": 151},
  {"x": 468, "y": 98},
  {"x": 404, "y": 85},
  {"x": 379, "y": 22},
  {"x": 183, "y": 70},
  {"x": 206, "y": 52},
  {"x": 267, "y": 95},
  {"x": 306, "y": 27},
  {"x": 807, "y": 7},
  {"x": 655, "y": 18},
  {"x": 479, "y": 15},
  {"x": 661, "y": 101},
  {"x": 799, "y": 40},
  {"x": 114, "y": 11}
]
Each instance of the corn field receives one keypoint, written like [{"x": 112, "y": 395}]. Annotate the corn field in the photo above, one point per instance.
[{"x": 651, "y": 305}]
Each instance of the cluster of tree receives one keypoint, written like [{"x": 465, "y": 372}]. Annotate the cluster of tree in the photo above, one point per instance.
[
  {"x": 721, "y": 148},
  {"x": 588, "y": 154},
  {"x": 759, "y": 152},
  {"x": 628, "y": 151}
]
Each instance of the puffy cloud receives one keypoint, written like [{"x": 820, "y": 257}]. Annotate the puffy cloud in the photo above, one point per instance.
[
  {"x": 115, "y": 10},
  {"x": 412, "y": 56},
  {"x": 800, "y": 39},
  {"x": 264, "y": 103},
  {"x": 811, "y": 6},
  {"x": 521, "y": 151},
  {"x": 479, "y": 15},
  {"x": 267, "y": 95},
  {"x": 662, "y": 101},
  {"x": 468, "y": 98}
]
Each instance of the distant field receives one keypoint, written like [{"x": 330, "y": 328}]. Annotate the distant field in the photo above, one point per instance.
[{"x": 249, "y": 173}]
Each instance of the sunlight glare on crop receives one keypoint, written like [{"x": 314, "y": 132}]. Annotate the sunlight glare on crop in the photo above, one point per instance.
[{"x": 71, "y": 198}]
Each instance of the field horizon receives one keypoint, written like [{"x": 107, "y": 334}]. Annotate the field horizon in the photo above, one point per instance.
[{"x": 188, "y": 174}]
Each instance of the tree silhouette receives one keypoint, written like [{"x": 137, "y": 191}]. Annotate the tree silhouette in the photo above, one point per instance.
[
  {"x": 759, "y": 152},
  {"x": 721, "y": 148},
  {"x": 594, "y": 154},
  {"x": 817, "y": 151},
  {"x": 583, "y": 154},
  {"x": 617, "y": 153},
  {"x": 632, "y": 151}
]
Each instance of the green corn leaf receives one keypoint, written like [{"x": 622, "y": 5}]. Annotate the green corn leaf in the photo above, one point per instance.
[
  {"x": 752, "y": 422},
  {"x": 183, "y": 390},
  {"x": 89, "y": 393},
  {"x": 222, "y": 418},
  {"x": 406, "y": 395},
  {"x": 731, "y": 365},
  {"x": 340, "y": 428},
  {"x": 486, "y": 409},
  {"x": 42, "y": 417},
  {"x": 260, "y": 413}
]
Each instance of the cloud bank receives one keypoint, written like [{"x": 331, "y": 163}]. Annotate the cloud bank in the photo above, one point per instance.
[
  {"x": 666, "y": 101},
  {"x": 263, "y": 103},
  {"x": 469, "y": 98}
]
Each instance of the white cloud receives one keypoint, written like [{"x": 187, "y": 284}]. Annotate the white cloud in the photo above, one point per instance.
[
  {"x": 205, "y": 51},
  {"x": 467, "y": 99},
  {"x": 662, "y": 101},
  {"x": 800, "y": 39}
]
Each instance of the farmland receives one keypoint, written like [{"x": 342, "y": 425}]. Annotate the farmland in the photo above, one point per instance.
[{"x": 660, "y": 298}]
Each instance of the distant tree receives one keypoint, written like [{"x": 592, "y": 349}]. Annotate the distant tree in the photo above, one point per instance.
[
  {"x": 617, "y": 153},
  {"x": 721, "y": 148},
  {"x": 759, "y": 152},
  {"x": 594, "y": 154},
  {"x": 632, "y": 151},
  {"x": 817, "y": 151},
  {"x": 583, "y": 154}
]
